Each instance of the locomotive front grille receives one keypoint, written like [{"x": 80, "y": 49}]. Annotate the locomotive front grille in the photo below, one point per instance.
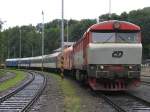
[{"x": 102, "y": 74}]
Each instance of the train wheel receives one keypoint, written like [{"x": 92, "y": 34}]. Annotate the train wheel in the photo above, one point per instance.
[{"x": 80, "y": 76}]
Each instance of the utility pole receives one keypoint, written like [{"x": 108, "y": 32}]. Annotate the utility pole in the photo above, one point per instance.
[
  {"x": 97, "y": 20},
  {"x": 20, "y": 55},
  {"x": 8, "y": 52},
  {"x": 109, "y": 8},
  {"x": 20, "y": 43},
  {"x": 67, "y": 31},
  {"x": 42, "y": 38},
  {"x": 59, "y": 26},
  {"x": 14, "y": 50},
  {"x": 62, "y": 41},
  {"x": 62, "y": 27}
]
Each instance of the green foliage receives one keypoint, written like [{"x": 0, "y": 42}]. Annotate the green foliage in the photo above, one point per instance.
[{"x": 78, "y": 29}]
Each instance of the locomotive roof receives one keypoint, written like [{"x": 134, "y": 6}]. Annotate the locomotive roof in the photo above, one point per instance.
[{"x": 109, "y": 25}]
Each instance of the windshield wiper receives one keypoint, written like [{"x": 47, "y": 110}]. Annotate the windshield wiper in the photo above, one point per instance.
[
  {"x": 108, "y": 39},
  {"x": 122, "y": 38}
]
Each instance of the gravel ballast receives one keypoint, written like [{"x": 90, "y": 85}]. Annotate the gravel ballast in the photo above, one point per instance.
[
  {"x": 143, "y": 91},
  {"x": 91, "y": 102},
  {"x": 52, "y": 99}
]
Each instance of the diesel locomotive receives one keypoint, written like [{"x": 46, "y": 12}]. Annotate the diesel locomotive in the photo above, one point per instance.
[{"x": 109, "y": 55}]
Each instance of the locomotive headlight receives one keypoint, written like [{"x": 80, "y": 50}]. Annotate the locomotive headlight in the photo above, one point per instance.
[
  {"x": 102, "y": 67},
  {"x": 130, "y": 67},
  {"x": 116, "y": 25}
]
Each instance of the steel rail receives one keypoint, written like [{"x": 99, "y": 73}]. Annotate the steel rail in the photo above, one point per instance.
[
  {"x": 145, "y": 76},
  {"x": 144, "y": 105},
  {"x": 139, "y": 99},
  {"x": 27, "y": 107},
  {"x": 109, "y": 101},
  {"x": 145, "y": 83}
]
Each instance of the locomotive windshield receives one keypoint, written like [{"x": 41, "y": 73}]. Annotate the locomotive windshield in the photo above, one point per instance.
[{"x": 115, "y": 37}]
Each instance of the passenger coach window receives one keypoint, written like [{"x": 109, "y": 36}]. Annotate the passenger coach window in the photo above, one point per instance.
[{"x": 115, "y": 37}]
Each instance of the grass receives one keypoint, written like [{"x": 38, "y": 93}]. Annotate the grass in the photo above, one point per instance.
[
  {"x": 71, "y": 100},
  {"x": 13, "y": 81}
]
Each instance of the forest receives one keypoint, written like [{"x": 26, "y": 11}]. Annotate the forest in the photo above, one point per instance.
[{"x": 31, "y": 35}]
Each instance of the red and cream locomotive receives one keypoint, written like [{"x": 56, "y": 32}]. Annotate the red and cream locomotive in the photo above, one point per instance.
[{"x": 108, "y": 56}]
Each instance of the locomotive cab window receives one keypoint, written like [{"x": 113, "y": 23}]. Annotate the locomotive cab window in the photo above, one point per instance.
[
  {"x": 127, "y": 37},
  {"x": 103, "y": 37},
  {"x": 118, "y": 37}
]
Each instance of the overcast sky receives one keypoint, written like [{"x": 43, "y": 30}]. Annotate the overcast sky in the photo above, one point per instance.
[{"x": 24, "y": 12}]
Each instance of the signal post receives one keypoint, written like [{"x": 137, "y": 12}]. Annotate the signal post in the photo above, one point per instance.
[{"x": 62, "y": 41}]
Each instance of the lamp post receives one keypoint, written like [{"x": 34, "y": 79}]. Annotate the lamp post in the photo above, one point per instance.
[
  {"x": 14, "y": 51},
  {"x": 42, "y": 38}
]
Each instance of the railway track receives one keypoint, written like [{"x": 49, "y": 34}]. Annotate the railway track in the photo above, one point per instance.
[
  {"x": 126, "y": 102},
  {"x": 145, "y": 80},
  {"x": 145, "y": 83},
  {"x": 21, "y": 99}
]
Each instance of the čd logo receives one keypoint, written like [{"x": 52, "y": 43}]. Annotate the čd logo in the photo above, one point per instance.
[{"x": 117, "y": 54}]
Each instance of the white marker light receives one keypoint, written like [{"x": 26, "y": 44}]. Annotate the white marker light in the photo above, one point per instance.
[{"x": 102, "y": 67}]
